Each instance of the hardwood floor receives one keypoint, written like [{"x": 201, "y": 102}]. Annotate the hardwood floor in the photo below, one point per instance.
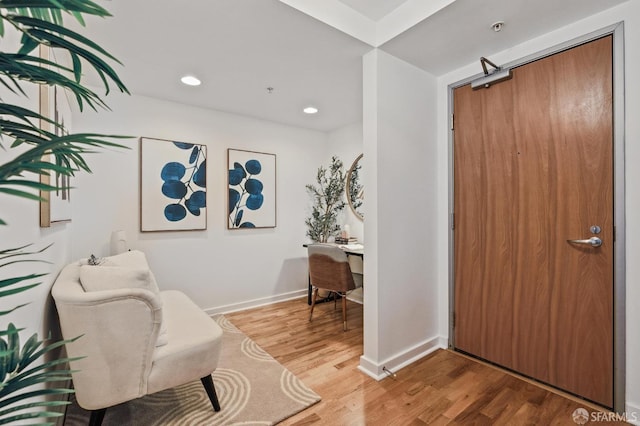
[{"x": 442, "y": 388}]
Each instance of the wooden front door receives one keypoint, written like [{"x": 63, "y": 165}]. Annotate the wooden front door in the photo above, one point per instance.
[{"x": 533, "y": 168}]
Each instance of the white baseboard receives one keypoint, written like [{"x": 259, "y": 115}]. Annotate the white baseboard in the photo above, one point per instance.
[
  {"x": 356, "y": 296},
  {"x": 248, "y": 304},
  {"x": 633, "y": 413},
  {"x": 399, "y": 361}
]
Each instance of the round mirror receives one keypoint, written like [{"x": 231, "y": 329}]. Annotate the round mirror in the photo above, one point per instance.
[{"x": 355, "y": 188}]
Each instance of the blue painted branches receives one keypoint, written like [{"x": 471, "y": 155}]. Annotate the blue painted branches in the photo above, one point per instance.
[
  {"x": 244, "y": 191},
  {"x": 182, "y": 183}
]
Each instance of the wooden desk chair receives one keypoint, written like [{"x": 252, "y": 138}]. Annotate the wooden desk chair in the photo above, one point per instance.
[{"x": 329, "y": 270}]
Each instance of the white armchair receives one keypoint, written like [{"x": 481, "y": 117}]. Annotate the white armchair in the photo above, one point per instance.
[{"x": 120, "y": 324}]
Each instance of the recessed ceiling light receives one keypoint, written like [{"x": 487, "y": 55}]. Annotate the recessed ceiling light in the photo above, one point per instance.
[
  {"x": 191, "y": 80},
  {"x": 310, "y": 110}
]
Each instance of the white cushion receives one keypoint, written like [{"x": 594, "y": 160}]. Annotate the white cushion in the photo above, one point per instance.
[
  {"x": 194, "y": 345},
  {"x": 132, "y": 260},
  {"x": 98, "y": 278}
]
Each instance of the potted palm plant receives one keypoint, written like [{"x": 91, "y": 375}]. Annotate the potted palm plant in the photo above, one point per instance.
[{"x": 27, "y": 380}]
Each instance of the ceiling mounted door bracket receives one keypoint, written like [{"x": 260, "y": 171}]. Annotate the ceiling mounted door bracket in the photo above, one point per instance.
[{"x": 497, "y": 74}]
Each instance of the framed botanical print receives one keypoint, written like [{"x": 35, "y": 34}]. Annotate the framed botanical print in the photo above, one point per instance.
[
  {"x": 251, "y": 196},
  {"x": 173, "y": 185}
]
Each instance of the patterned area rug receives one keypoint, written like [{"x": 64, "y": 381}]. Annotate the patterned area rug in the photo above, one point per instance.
[{"x": 253, "y": 389}]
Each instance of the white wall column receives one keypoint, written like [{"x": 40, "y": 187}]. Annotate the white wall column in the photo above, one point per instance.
[{"x": 399, "y": 130}]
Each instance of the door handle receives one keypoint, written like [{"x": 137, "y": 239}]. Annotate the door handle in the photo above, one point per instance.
[{"x": 593, "y": 242}]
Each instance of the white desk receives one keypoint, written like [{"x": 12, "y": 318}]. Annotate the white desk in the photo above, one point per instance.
[{"x": 350, "y": 251}]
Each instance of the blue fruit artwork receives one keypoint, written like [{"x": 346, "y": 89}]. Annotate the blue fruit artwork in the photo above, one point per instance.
[
  {"x": 245, "y": 192},
  {"x": 184, "y": 182}
]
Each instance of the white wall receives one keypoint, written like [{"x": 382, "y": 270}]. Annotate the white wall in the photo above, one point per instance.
[
  {"x": 630, "y": 14},
  {"x": 220, "y": 269},
  {"x": 400, "y": 266}
]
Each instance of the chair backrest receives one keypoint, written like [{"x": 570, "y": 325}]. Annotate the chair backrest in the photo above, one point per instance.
[{"x": 329, "y": 268}]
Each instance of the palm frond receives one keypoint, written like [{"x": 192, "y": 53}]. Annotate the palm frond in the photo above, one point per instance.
[
  {"x": 43, "y": 152},
  {"x": 18, "y": 290},
  {"x": 17, "y": 372},
  {"x": 20, "y": 253},
  {"x": 49, "y": 10},
  {"x": 26, "y": 68},
  {"x": 23, "y": 115},
  {"x": 50, "y": 32},
  {"x": 15, "y": 280},
  {"x": 2, "y": 313},
  {"x": 53, "y": 29},
  {"x": 41, "y": 23},
  {"x": 15, "y": 285},
  {"x": 67, "y": 158},
  {"x": 4, "y": 419}
]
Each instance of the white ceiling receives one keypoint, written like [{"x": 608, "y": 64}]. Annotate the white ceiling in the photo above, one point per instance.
[
  {"x": 461, "y": 32},
  {"x": 239, "y": 48},
  {"x": 373, "y": 9}
]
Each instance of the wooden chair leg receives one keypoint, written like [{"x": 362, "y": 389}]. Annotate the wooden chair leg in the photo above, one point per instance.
[
  {"x": 207, "y": 382},
  {"x": 97, "y": 416},
  {"x": 313, "y": 302},
  {"x": 344, "y": 312}
]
